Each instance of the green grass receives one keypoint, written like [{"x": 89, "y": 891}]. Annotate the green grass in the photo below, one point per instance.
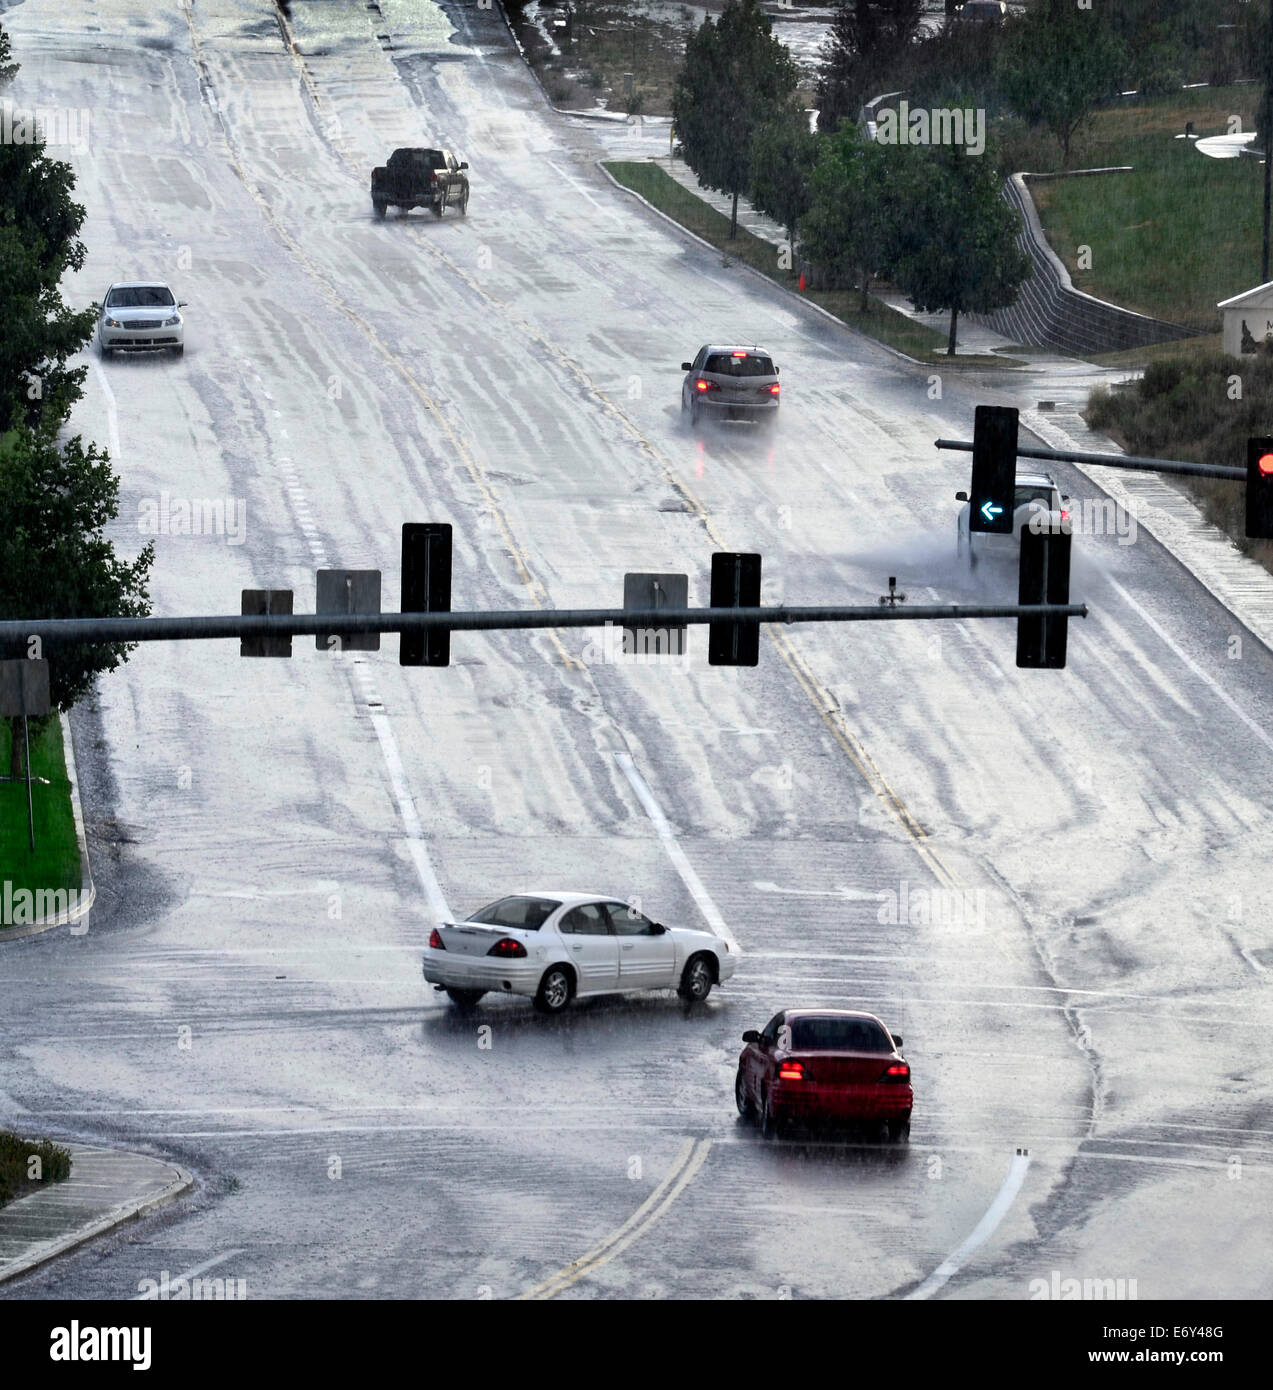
[
  {"x": 1180, "y": 233},
  {"x": 881, "y": 322},
  {"x": 15, "y": 1165},
  {"x": 55, "y": 862}
]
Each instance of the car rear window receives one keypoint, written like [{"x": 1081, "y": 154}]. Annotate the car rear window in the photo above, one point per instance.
[
  {"x": 1025, "y": 495},
  {"x": 527, "y": 913},
  {"x": 726, "y": 364},
  {"x": 139, "y": 297},
  {"x": 838, "y": 1035}
]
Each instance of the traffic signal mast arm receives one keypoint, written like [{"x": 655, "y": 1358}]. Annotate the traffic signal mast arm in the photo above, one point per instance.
[{"x": 1130, "y": 461}]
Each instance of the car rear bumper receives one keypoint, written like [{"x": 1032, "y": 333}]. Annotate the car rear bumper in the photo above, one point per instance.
[
  {"x": 739, "y": 410},
  {"x": 454, "y": 971},
  {"x": 806, "y": 1100}
]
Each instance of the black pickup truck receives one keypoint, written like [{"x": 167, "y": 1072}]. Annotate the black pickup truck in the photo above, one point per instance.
[{"x": 415, "y": 178}]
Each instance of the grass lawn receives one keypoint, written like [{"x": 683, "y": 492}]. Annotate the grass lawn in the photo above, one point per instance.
[
  {"x": 56, "y": 860},
  {"x": 880, "y": 321},
  {"x": 16, "y": 1167},
  {"x": 1180, "y": 233}
]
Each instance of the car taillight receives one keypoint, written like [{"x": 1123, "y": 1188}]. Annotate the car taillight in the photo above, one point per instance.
[
  {"x": 507, "y": 948},
  {"x": 791, "y": 1071},
  {"x": 774, "y": 389},
  {"x": 703, "y": 385},
  {"x": 1065, "y": 516},
  {"x": 896, "y": 1072},
  {"x": 435, "y": 940}
]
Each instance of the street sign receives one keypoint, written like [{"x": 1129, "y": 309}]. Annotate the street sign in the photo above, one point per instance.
[
  {"x": 646, "y": 591},
  {"x": 257, "y": 602},
  {"x": 735, "y": 584},
  {"x": 994, "y": 470},
  {"x": 1045, "y": 578},
  {"x": 426, "y": 588},
  {"x": 348, "y": 591},
  {"x": 24, "y": 689}
]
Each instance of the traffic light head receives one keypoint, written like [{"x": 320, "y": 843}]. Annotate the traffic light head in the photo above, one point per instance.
[
  {"x": 1259, "y": 488},
  {"x": 994, "y": 470}
]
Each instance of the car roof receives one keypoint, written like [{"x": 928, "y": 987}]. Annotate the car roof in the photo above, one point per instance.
[
  {"x": 568, "y": 895},
  {"x": 737, "y": 347},
  {"x": 1035, "y": 479},
  {"x": 139, "y": 285},
  {"x": 832, "y": 1013}
]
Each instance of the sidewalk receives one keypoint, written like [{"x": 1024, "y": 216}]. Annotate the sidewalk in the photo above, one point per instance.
[{"x": 106, "y": 1188}]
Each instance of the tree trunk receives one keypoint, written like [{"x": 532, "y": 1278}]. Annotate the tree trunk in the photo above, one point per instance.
[
  {"x": 16, "y": 770},
  {"x": 733, "y": 219},
  {"x": 950, "y": 345}
]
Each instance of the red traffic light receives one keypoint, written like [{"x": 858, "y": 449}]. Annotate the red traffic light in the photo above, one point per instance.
[{"x": 1265, "y": 464}]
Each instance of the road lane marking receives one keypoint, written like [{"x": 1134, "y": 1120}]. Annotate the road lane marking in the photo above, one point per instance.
[
  {"x": 112, "y": 412},
  {"x": 983, "y": 1230},
  {"x": 851, "y": 894},
  {"x": 675, "y": 853},
  {"x": 685, "y": 1167},
  {"x": 191, "y": 1273}
]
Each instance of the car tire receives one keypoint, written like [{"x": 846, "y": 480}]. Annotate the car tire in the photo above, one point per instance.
[
  {"x": 746, "y": 1106},
  {"x": 379, "y": 209},
  {"x": 465, "y": 998},
  {"x": 439, "y": 207},
  {"x": 899, "y": 1131},
  {"x": 697, "y": 979},
  {"x": 555, "y": 990},
  {"x": 179, "y": 351},
  {"x": 695, "y": 415},
  {"x": 463, "y": 204},
  {"x": 770, "y": 1126}
]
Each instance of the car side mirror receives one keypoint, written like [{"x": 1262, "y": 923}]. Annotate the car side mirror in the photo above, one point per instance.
[
  {"x": 464, "y": 164},
  {"x": 182, "y": 303},
  {"x": 752, "y": 1035},
  {"x": 1067, "y": 499},
  {"x": 961, "y": 497},
  {"x": 658, "y": 928},
  {"x": 897, "y": 1040},
  {"x": 777, "y": 371},
  {"x": 687, "y": 366}
]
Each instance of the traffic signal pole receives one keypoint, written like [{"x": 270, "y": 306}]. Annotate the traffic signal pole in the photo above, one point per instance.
[{"x": 1134, "y": 462}]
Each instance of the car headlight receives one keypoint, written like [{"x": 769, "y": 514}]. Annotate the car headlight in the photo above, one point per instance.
[
  {"x": 113, "y": 323},
  {"x": 172, "y": 322}
]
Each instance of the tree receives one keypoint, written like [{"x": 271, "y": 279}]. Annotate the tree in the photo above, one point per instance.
[
  {"x": 954, "y": 237},
  {"x": 864, "y": 37},
  {"x": 1055, "y": 65},
  {"x": 39, "y": 242},
  {"x": 8, "y": 68},
  {"x": 782, "y": 159},
  {"x": 56, "y": 499},
  {"x": 848, "y": 229},
  {"x": 734, "y": 78}
]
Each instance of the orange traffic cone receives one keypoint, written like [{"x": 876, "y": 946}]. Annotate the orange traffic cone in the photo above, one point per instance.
[{"x": 801, "y": 284}]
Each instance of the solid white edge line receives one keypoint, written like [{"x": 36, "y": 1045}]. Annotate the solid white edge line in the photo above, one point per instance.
[
  {"x": 675, "y": 853},
  {"x": 983, "y": 1230}
]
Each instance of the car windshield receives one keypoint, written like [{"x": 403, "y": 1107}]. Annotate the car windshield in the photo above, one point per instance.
[
  {"x": 838, "y": 1035},
  {"x": 140, "y": 297},
  {"x": 527, "y": 913},
  {"x": 751, "y": 364}
]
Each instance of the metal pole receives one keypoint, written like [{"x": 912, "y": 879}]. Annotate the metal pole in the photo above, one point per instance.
[
  {"x": 30, "y": 812},
  {"x": 1136, "y": 462}
]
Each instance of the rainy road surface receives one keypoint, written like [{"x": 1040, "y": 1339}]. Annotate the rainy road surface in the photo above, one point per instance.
[{"x": 1051, "y": 883}]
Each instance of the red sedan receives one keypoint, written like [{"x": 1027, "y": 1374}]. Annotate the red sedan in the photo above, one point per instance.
[{"x": 825, "y": 1064}]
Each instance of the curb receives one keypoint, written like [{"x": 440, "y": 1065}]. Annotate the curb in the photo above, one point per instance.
[
  {"x": 88, "y": 889},
  {"x": 127, "y": 1211},
  {"x": 760, "y": 274}
]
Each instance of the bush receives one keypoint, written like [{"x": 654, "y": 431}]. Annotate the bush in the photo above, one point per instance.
[{"x": 15, "y": 1156}]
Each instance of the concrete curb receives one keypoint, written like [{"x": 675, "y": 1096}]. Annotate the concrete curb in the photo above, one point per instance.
[
  {"x": 88, "y": 889},
  {"x": 760, "y": 275},
  {"x": 126, "y": 1211}
]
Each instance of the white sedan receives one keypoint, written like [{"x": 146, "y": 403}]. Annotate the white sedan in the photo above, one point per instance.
[
  {"x": 553, "y": 947},
  {"x": 141, "y": 316}
]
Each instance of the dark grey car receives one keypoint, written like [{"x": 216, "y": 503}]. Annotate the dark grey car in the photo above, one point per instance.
[{"x": 730, "y": 383}]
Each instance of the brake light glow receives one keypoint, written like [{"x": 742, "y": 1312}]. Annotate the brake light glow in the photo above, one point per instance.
[
  {"x": 435, "y": 941},
  {"x": 703, "y": 385},
  {"x": 774, "y": 389},
  {"x": 896, "y": 1072},
  {"x": 739, "y": 354},
  {"x": 507, "y": 948},
  {"x": 791, "y": 1071}
]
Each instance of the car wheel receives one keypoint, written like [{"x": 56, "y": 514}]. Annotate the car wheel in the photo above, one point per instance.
[
  {"x": 770, "y": 1128},
  {"x": 746, "y": 1106},
  {"x": 555, "y": 990},
  {"x": 439, "y": 208},
  {"x": 464, "y": 203},
  {"x": 464, "y": 998},
  {"x": 695, "y": 414},
  {"x": 179, "y": 350},
  {"x": 899, "y": 1131},
  {"x": 697, "y": 979},
  {"x": 379, "y": 209}
]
